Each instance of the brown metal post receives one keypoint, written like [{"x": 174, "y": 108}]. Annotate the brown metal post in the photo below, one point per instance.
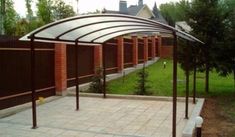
[
  {"x": 76, "y": 75},
  {"x": 174, "y": 85},
  {"x": 104, "y": 71},
  {"x": 194, "y": 81},
  {"x": 33, "y": 95},
  {"x": 187, "y": 80}
]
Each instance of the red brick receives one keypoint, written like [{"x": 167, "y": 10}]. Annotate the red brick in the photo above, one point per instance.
[
  {"x": 60, "y": 68},
  {"x": 97, "y": 57},
  {"x": 120, "y": 54}
]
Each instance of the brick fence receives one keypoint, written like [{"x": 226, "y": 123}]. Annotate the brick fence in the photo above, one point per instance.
[{"x": 55, "y": 64}]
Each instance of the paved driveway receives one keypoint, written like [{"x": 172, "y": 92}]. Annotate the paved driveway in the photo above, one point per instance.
[{"x": 97, "y": 117}]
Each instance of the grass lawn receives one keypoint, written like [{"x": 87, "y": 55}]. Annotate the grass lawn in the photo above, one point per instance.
[
  {"x": 160, "y": 82},
  {"x": 219, "y": 108}
]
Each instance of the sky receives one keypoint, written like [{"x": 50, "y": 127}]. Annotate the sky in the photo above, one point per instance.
[{"x": 89, "y": 5}]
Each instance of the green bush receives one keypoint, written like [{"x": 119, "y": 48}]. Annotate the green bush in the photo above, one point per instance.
[{"x": 96, "y": 85}]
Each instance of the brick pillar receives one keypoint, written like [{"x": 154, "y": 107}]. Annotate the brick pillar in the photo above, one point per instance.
[
  {"x": 97, "y": 57},
  {"x": 135, "y": 50},
  {"x": 153, "y": 47},
  {"x": 145, "y": 48},
  {"x": 159, "y": 45},
  {"x": 120, "y": 53},
  {"x": 60, "y": 69}
]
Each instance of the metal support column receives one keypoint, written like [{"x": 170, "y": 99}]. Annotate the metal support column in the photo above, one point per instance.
[
  {"x": 33, "y": 95},
  {"x": 187, "y": 79},
  {"x": 174, "y": 85},
  {"x": 194, "y": 80},
  {"x": 76, "y": 75},
  {"x": 104, "y": 71}
]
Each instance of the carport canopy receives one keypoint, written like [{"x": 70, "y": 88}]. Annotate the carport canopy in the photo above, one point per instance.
[{"x": 96, "y": 29}]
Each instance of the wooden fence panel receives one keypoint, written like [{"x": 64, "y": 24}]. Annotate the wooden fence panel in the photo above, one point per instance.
[
  {"x": 149, "y": 49},
  {"x": 140, "y": 50},
  {"x": 128, "y": 53},
  {"x": 15, "y": 71},
  {"x": 111, "y": 56},
  {"x": 85, "y": 64}
]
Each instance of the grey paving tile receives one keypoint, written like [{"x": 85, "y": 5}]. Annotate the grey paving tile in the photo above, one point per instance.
[{"x": 97, "y": 117}]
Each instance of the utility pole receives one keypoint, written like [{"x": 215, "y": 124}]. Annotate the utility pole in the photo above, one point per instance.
[{"x": 2, "y": 17}]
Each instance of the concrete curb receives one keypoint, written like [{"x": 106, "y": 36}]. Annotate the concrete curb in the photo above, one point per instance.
[
  {"x": 188, "y": 131},
  {"x": 13, "y": 110}
]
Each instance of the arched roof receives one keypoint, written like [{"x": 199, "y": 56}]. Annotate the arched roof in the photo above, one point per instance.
[{"x": 98, "y": 28}]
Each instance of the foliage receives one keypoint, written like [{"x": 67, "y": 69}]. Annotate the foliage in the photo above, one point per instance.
[
  {"x": 10, "y": 18},
  {"x": 96, "y": 85},
  {"x": 21, "y": 27},
  {"x": 224, "y": 53},
  {"x": 141, "y": 86},
  {"x": 174, "y": 12},
  {"x": 61, "y": 10},
  {"x": 2, "y": 15},
  {"x": 29, "y": 15},
  {"x": 48, "y": 11},
  {"x": 44, "y": 12}
]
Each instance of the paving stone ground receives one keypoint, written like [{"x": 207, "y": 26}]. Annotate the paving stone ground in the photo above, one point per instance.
[{"x": 97, "y": 117}]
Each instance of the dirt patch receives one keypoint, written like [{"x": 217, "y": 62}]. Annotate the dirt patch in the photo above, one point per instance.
[{"x": 216, "y": 123}]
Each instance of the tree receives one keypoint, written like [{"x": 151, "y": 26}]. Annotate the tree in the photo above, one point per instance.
[
  {"x": 224, "y": 53},
  {"x": 61, "y": 10},
  {"x": 174, "y": 12},
  {"x": 10, "y": 18},
  {"x": 206, "y": 20},
  {"x": 29, "y": 9},
  {"x": 2, "y": 16},
  {"x": 44, "y": 12},
  {"x": 21, "y": 27}
]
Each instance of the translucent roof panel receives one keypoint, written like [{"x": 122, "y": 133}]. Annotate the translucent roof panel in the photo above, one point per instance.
[
  {"x": 113, "y": 35},
  {"x": 76, "y": 33},
  {"x": 99, "y": 28}
]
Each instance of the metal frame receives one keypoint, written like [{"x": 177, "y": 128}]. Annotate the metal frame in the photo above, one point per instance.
[
  {"x": 144, "y": 25},
  {"x": 104, "y": 70},
  {"x": 76, "y": 75},
  {"x": 175, "y": 59},
  {"x": 187, "y": 80}
]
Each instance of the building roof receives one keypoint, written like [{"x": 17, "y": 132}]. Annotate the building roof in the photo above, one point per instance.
[
  {"x": 135, "y": 9},
  {"x": 158, "y": 15}
]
